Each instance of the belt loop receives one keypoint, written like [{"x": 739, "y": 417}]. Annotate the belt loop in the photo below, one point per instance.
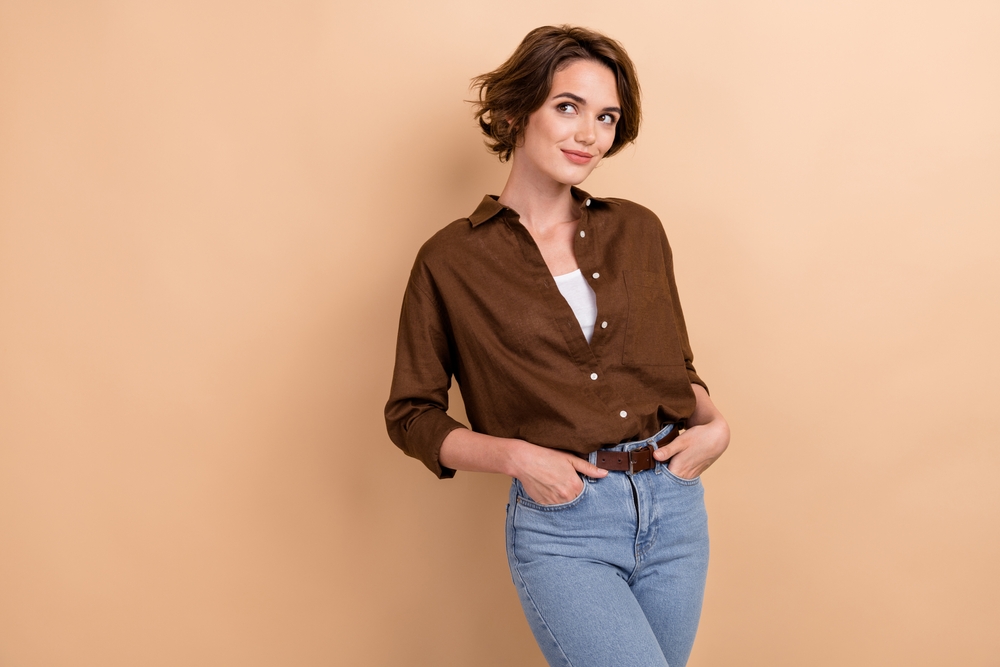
[
  {"x": 655, "y": 441},
  {"x": 592, "y": 458}
]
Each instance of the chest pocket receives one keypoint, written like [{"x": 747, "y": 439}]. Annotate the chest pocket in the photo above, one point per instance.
[{"x": 650, "y": 330}]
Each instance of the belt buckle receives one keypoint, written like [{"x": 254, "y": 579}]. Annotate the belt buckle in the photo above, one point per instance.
[{"x": 631, "y": 458}]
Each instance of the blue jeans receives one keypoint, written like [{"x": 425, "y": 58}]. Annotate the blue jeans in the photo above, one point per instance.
[{"x": 615, "y": 576}]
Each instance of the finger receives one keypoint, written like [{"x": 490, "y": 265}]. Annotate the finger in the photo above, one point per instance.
[
  {"x": 588, "y": 468},
  {"x": 668, "y": 451}
]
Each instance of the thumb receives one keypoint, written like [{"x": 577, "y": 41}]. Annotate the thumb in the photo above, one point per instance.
[
  {"x": 588, "y": 468},
  {"x": 667, "y": 451}
]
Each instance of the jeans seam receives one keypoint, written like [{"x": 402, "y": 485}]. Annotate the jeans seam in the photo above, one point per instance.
[{"x": 527, "y": 593}]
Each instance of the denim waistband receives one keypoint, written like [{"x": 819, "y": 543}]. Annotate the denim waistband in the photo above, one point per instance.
[{"x": 635, "y": 444}]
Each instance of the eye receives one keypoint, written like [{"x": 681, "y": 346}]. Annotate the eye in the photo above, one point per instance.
[
  {"x": 609, "y": 119},
  {"x": 565, "y": 107}
]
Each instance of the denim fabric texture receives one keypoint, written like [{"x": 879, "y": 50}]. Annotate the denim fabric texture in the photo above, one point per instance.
[{"x": 615, "y": 576}]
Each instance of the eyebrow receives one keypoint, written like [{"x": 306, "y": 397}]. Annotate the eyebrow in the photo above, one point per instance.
[{"x": 580, "y": 100}]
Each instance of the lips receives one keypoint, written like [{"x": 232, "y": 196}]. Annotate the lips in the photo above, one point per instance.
[{"x": 577, "y": 157}]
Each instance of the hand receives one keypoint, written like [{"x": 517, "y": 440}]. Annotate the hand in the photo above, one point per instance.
[
  {"x": 694, "y": 450},
  {"x": 550, "y": 476}
]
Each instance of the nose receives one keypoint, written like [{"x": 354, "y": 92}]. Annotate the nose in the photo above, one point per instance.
[{"x": 586, "y": 132}]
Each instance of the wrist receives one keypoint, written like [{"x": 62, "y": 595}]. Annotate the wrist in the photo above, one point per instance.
[
  {"x": 516, "y": 455},
  {"x": 718, "y": 430}
]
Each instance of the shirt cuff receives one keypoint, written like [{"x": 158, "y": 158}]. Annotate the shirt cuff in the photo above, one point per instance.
[{"x": 425, "y": 436}]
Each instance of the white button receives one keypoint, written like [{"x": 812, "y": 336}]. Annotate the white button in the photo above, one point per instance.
[
  {"x": 604, "y": 325},
  {"x": 586, "y": 203},
  {"x": 597, "y": 275},
  {"x": 593, "y": 376},
  {"x": 582, "y": 233},
  {"x": 623, "y": 414}
]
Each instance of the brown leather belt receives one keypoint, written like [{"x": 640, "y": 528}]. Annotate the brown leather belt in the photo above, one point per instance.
[{"x": 635, "y": 461}]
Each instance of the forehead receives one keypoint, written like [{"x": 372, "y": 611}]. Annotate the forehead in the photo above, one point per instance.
[{"x": 589, "y": 79}]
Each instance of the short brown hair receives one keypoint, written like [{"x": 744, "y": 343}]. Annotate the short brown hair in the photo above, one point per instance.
[{"x": 520, "y": 86}]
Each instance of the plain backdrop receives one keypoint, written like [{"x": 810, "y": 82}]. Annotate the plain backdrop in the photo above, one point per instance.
[{"x": 208, "y": 211}]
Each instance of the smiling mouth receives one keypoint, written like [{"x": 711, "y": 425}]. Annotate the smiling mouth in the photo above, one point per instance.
[{"x": 579, "y": 157}]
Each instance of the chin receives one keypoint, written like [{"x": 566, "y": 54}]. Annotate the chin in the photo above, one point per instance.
[
  {"x": 575, "y": 179},
  {"x": 572, "y": 176}
]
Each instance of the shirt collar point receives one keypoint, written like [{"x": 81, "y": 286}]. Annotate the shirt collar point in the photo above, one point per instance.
[
  {"x": 488, "y": 208},
  {"x": 582, "y": 196}
]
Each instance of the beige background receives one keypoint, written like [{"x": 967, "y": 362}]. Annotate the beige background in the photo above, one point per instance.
[{"x": 207, "y": 216}]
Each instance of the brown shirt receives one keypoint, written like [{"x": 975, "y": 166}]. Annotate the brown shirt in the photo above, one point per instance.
[{"x": 481, "y": 305}]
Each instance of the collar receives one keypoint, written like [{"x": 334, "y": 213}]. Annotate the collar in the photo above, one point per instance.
[{"x": 490, "y": 208}]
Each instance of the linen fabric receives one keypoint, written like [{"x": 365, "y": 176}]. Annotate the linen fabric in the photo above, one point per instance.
[{"x": 482, "y": 306}]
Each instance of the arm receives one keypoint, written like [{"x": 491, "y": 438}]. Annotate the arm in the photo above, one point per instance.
[
  {"x": 707, "y": 434},
  {"x": 418, "y": 422},
  {"x": 549, "y": 476},
  {"x": 416, "y": 414},
  {"x": 704, "y": 441}
]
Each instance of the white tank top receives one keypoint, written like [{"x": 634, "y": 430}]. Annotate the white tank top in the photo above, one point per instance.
[{"x": 581, "y": 298}]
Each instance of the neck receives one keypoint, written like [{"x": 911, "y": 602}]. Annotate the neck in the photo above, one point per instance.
[{"x": 540, "y": 202}]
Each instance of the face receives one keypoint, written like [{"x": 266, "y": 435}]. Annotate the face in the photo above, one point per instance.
[{"x": 569, "y": 134}]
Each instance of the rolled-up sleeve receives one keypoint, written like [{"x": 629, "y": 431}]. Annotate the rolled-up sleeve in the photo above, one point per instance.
[
  {"x": 416, "y": 414},
  {"x": 675, "y": 299}
]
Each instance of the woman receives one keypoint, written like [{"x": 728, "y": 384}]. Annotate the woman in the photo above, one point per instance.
[{"x": 558, "y": 315}]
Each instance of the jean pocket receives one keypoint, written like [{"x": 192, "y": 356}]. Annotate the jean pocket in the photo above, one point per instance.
[
  {"x": 525, "y": 501},
  {"x": 680, "y": 480}
]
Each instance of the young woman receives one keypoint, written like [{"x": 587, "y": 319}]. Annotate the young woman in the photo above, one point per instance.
[{"x": 558, "y": 315}]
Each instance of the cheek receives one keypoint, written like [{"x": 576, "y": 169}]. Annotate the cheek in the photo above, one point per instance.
[{"x": 607, "y": 139}]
